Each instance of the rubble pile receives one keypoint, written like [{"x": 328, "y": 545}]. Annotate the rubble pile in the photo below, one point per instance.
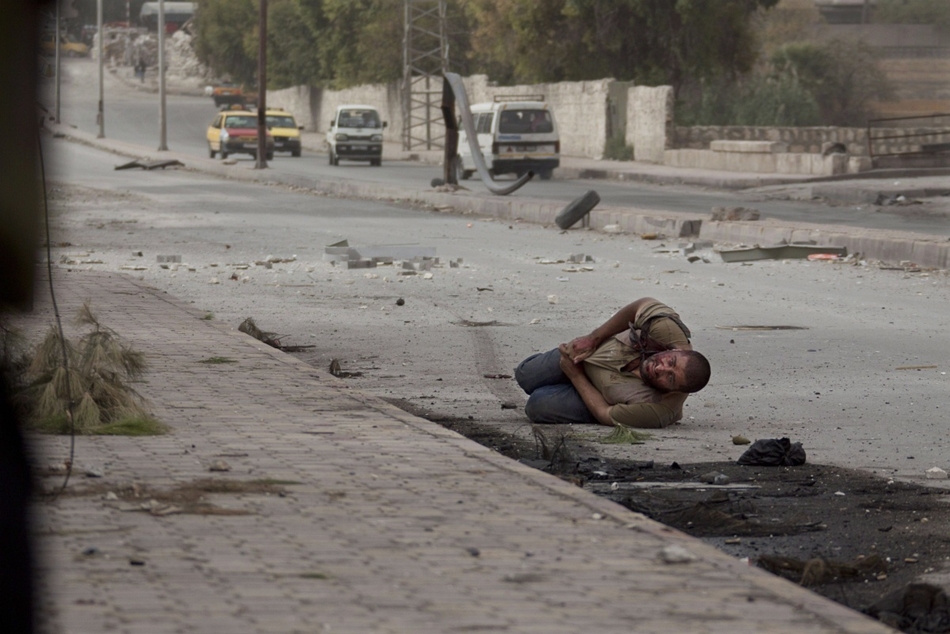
[{"x": 127, "y": 47}]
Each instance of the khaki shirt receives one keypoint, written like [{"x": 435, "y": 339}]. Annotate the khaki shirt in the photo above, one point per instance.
[{"x": 633, "y": 402}]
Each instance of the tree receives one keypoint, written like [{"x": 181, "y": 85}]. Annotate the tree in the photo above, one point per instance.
[
  {"x": 842, "y": 76},
  {"x": 223, "y": 30},
  {"x": 642, "y": 40}
]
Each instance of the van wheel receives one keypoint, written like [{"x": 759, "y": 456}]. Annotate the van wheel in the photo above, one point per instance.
[
  {"x": 295, "y": 153},
  {"x": 546, "y": 174},
  {"x": 269, "y": 156},
  {"x": 376, "y": 162},
  {"x": 577, "y": 209},
  {"x": 224, "y": 154},
  {"x": 211, "y": 152}
]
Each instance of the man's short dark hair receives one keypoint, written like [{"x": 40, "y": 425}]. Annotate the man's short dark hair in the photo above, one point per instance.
[{"x": 697, "y": 371}]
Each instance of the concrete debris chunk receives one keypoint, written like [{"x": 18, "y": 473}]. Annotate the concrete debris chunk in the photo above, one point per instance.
[
  {"x": 936, "y": 473},
  {"x": 676, "y": 555},
  {"x": 219, "y": 465}
]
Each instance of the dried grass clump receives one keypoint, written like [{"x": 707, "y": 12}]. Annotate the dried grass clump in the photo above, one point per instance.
[
  {"x": 101, "y": 370},
  {"x": 622, "y": 435}
]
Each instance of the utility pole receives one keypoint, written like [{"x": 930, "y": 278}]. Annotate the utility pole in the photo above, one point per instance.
[
  {"x": 262, "y": 90},
  {"x": 100, "y": 114},
  {"x": 162, "y": 121},
  {"x": 58, "y": 67},
  {"x": 425, "y": 58}
]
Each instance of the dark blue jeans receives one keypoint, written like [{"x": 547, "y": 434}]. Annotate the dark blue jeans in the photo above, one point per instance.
[{"x": 551, "y": 395}]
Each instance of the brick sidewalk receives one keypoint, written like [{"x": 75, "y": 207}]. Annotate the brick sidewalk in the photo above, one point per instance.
[{"x": 396, "y": 525}]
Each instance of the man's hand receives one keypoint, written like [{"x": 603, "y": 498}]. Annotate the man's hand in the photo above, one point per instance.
[
  {"x": 580, "y": 348},
  {"x": 568, "y": 366}
]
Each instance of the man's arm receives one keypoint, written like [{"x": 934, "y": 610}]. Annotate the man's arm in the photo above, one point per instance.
[
  {"x": 592, "y": 398},
  {"x": 582, "y": 347}
]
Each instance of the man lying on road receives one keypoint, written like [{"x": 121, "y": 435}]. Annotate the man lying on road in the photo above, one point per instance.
[{"x": 635, "y": 370}]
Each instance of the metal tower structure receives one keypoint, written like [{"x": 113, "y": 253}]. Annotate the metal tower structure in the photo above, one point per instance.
[{"x": 425, "y": 57}]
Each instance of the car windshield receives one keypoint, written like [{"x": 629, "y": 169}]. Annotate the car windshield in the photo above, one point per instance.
[
  {"x": 280, "y": 121},
  {"x": 241, "y": 122},
  {"x": 359, "y": 119},
  {"x": 525, "y": 122}
]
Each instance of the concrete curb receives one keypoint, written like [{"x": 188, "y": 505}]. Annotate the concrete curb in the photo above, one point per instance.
[{"x": 889, "y": 246}]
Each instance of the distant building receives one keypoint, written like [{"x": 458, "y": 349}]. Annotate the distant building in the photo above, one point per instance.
[{"x": 176, "y": 14}]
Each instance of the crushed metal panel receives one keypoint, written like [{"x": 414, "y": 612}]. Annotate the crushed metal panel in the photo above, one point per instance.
[{"x": 150, "y": 165}]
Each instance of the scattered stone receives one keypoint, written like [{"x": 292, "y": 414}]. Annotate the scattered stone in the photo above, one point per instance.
[
  {"x": 400, "y": 302},
  {"x": 936, "y": 473},
  {"x": 161, "y": 259},
  {"x": 110, "y": 496},
  {"x": 219, "y": 465},
  {"x": 552, "y": 299},
  {"x": 90, "y": 551},
  {"x": 676, "y": 555},
  {"x": 135, "y": 561},
  {"x": 94, "y": 472},
  {"x": 714, "y": 477},
  {"x": 474, "y": 552},
  {"x": 739, "y": 439}
]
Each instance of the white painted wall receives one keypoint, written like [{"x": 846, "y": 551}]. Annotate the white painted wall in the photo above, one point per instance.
[{"x": 649, "y": 121}]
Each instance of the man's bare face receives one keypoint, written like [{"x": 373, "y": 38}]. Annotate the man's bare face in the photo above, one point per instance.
[{"x": 665, "y": 371}]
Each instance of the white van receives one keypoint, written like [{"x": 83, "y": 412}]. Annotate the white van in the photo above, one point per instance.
[
  {"x": 516, "y": 134},
  {"x": 356, "y": 134}
]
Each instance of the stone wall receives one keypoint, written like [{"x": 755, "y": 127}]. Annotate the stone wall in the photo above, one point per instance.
[
  {"x": 314, "y": 107},
  {"x": 811, "y": 140},
  {"x": 649, "y": 121}
]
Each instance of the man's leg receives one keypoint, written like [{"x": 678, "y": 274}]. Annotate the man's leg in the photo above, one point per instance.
[
  {"x": 552, "y": 398},
  {"x": 557, "y": 404},
  {"x": 539, "y": 370}
]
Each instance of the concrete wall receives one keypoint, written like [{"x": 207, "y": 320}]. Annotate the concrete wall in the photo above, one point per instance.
[
  {"x": 649, "y": 121},
  {"x": 809, "y": 140},
  {"x": 314, "y": 107}
]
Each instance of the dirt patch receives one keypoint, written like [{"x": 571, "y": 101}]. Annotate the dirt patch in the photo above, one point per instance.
[
  {"x": 189, "y": 497},
  {"x": 845, "y": 534}
]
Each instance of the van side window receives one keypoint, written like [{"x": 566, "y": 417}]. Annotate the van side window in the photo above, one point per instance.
[
  {"x": 483, "y": 125},
  {"x": 217, "y": 122}
]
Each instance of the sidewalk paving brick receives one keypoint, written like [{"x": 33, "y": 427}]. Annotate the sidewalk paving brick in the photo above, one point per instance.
[{"x": 396, "y": 525}]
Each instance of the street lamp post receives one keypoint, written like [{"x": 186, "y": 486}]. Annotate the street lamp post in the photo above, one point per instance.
[
  {"x": 262, "y": 90},
  {"x": 58, "y": 67},
  {"x": 100, "y": 114},
  {"x": 162, "y": 121}
]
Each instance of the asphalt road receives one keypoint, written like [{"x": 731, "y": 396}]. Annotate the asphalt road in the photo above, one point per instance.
[
  {"x": 133, "y": 117},
  {"x": 840, "y": 383}
]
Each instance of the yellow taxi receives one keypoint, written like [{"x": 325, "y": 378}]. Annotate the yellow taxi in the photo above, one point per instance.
[
  {"x": 67, "y": 46},
  {"x": 283, "y": 127},
  {"x": 234, "y": 131}
]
